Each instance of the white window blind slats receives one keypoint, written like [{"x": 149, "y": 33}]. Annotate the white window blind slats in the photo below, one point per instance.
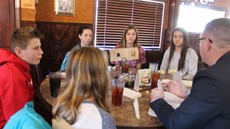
[{"x": 114, "y": 15}]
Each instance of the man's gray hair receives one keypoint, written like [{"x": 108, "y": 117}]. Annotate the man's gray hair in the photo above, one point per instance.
[{"x": 219, "y": 31}]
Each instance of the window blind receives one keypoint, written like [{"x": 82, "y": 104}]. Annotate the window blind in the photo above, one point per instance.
[{"x": 112, "y": 17}]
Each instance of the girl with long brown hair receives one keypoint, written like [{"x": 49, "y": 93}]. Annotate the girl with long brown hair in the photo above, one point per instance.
[{"x": 179, "y": 56}]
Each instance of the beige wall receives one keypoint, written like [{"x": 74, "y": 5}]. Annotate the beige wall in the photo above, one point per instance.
[
  {"x": 27, "y": 10},
  {"x": 225, "y": 4},
  {"x": 220, "y": 3},
  {"x": 84, "y": 12}
]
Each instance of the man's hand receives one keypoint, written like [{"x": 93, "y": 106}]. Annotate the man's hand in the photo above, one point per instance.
[
  {"x": 157, "y": 92},
  {"x": 177, "y": 88}
]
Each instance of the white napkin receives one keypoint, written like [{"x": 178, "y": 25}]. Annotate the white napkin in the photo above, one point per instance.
[
  {"x": 133, "y": 95},
  {"x": 136, "y": 108},
  {"x": 171, "y": 99},
  {"x": 165, "y": 81},
  {"x": 187, "y": 83}
]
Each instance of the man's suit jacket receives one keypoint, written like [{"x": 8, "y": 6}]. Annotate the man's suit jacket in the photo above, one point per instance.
[{"x": 208, "y": 104}]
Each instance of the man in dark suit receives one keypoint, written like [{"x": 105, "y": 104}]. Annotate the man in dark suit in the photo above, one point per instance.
[{"x": 207, "y": 105}]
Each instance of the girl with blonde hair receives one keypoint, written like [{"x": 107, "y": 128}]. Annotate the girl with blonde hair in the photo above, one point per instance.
[{"x": 83, "y": 102}]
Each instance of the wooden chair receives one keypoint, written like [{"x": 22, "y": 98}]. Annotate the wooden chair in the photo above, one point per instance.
[
  {"x": 36, "y": 74},
  {"x": 40, "y": 104}
]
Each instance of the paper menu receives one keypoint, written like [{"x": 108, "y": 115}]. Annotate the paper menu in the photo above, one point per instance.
[
  {"x": 119, "y": 53},
  {"x": 143, "y": 79}
]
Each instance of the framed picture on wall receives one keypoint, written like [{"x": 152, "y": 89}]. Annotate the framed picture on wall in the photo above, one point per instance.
[{"x": 65, "y": 7}]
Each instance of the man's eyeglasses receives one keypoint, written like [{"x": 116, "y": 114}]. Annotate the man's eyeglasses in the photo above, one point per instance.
[{"x": 200, "y": 39}]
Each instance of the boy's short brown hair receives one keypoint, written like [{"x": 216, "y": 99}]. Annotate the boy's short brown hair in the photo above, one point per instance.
[{"x": 21, "y": 36}]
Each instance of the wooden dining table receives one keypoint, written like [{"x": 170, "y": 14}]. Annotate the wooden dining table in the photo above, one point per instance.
[{"x": 124, "y": 115}]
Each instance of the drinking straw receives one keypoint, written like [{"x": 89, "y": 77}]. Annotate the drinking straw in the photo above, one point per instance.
[
  {"x": 155, "y": 67},
  {"x": 158, "y": 86}
]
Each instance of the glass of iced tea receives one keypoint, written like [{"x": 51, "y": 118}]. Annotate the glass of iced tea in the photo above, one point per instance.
[
  {"x": 125, "y": 68},
  {"x": 155, "y": 76},
  {"x": 117, "y": 91},
  {"x": 124, "y": 65},
  {"x": 55, "y": 82}
]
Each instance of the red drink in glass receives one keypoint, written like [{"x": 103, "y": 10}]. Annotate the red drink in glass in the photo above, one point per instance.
[
  {"x": 155, "y": 77},
  {"x": 117, "y": 91}
]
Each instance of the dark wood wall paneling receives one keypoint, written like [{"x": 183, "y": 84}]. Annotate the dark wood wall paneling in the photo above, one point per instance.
[
  {"x": 59, "y": 38},
  {"x": 153, "y": 56},
  {"x": 7, "y": 22},
  {"x": 28, "y": 23},
  {"x": 193, "y": 42}
]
